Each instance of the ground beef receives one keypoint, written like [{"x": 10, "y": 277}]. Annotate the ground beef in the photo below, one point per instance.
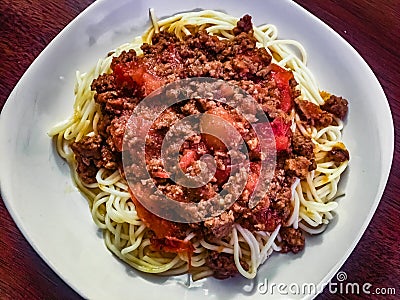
[
  {"x": 298, "y": 166},
  {"x": 272, "y": 210},
  {"x": 338, "y": 155},
  {"x": 243, "y": 25},
  {"x": 303, "y": 145},
  {"x": 190, "y": 108},
  {"x": 167, "y": 119},
  {"x": 91, "y": 154},
  {"x": 116, "y": 131},
  {"x": 239, "y": 61},
  {"x": 124, "y": 57},
  {"x": 87, "y": 154},
  {"x": 102, "y": 126},
  {"x": 313, "y": 114},
  {"x": 89, "y": 149},
  {"x": 280, "y": 205},
  {"x": 205, "y": 192},
  {"x": 104, "y": 83},
  {"x": 112, "y": 99},
  {"x": 292, "y": 239},
  {"x": 173, "y": 191},
  {"x": 221, "y": 226},
  {"x": 223, "y": 264},
  {"x": 338, "y": 106}
]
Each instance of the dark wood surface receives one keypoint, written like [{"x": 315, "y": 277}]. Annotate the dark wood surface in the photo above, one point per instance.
[{"x": 372, "y": 27}]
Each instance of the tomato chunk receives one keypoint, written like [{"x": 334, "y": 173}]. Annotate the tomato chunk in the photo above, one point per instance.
[
  {"x": 165, "y": 231},
  {"x": 172, "y": 244},
  {"x": 187, "y": 159},
  {"x": 160, "y": 226},
  {"x": 131, "y": 73},
  {"x": 281, "y": 132},
  {"x": 282, "y": 78}
]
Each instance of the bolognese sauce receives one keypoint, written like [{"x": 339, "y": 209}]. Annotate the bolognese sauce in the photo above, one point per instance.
[{"x": 240, "y": 62}]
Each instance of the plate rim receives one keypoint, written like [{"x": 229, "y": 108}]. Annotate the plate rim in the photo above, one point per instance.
[{"x": 5, "y": 193}]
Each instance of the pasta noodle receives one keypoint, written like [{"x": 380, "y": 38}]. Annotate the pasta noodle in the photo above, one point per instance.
[{"x": 112, "y": 211}]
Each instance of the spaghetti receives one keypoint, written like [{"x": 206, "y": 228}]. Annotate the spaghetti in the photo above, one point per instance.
[{"x": 113, "y": 211}]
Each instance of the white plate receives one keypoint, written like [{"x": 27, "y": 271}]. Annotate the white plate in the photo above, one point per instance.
[{"x": 54, "y": 216}]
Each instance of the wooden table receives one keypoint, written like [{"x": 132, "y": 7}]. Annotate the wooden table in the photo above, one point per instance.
[{"x": 371, "y": 26}]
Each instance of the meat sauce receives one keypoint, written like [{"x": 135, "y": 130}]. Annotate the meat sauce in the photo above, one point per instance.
[{"x": 240, "y": 62}]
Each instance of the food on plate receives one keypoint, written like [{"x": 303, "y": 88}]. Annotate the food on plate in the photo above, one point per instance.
[{"x": 306, "y": 124}]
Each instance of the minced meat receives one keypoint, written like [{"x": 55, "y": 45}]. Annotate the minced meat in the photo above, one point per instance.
[{"x": 239, "y": 61}]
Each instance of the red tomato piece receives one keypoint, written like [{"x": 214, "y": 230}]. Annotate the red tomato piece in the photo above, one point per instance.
[
  {"x": 282, "y": 78},
  {"x": 281, "y": 132}
]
